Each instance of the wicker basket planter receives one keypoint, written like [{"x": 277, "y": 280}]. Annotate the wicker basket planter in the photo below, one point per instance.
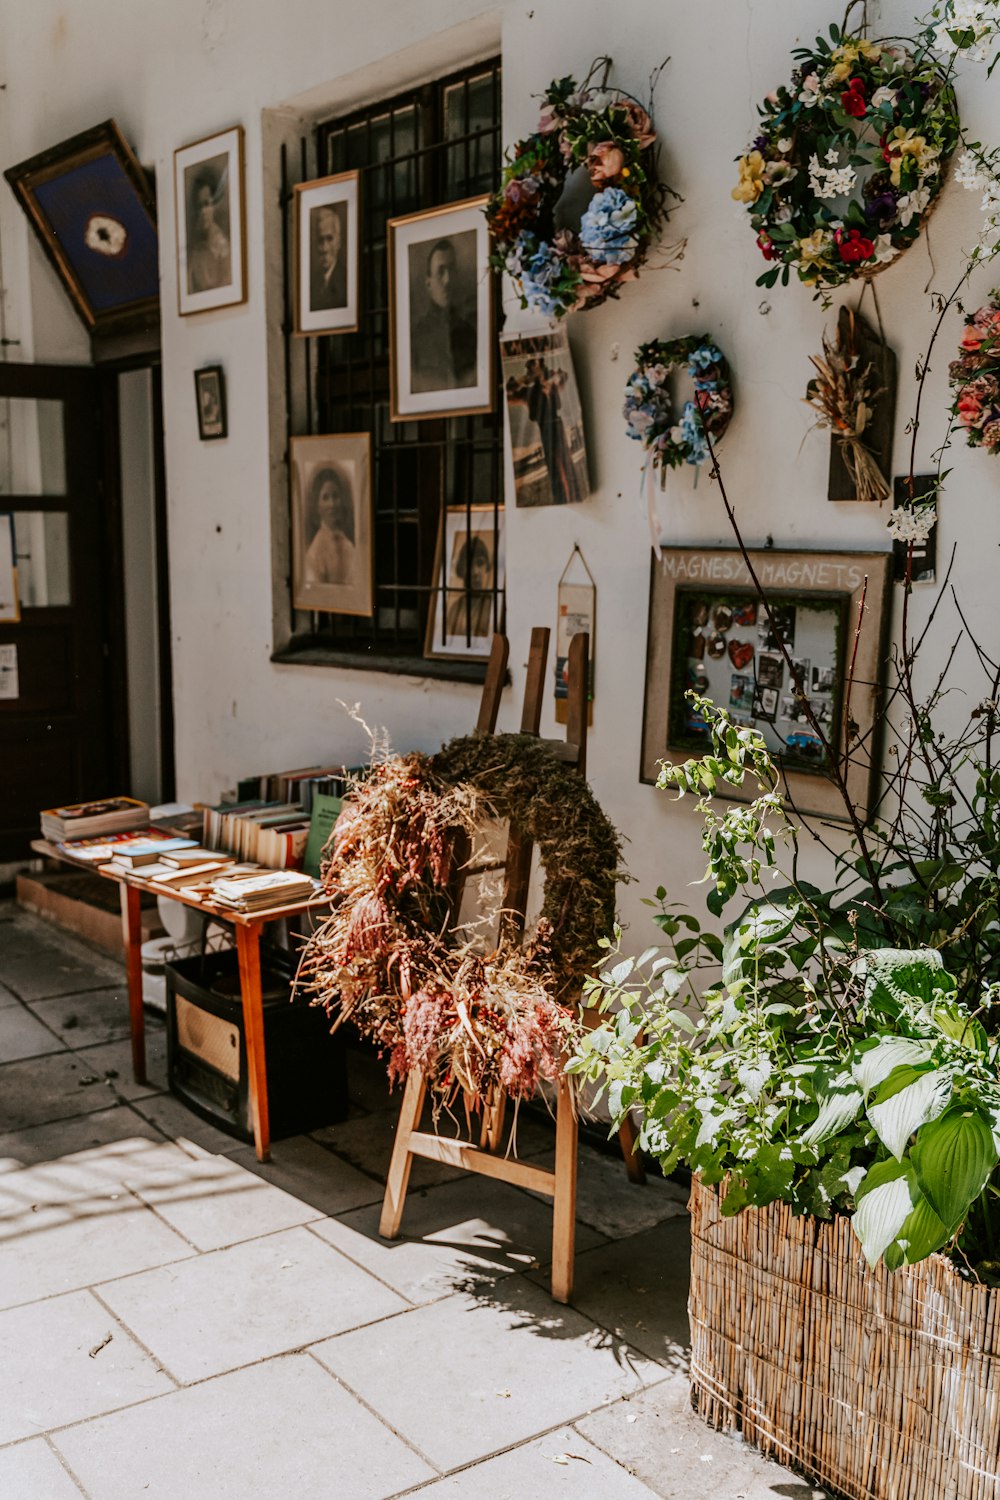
[{"x": 881, "y": 1386}]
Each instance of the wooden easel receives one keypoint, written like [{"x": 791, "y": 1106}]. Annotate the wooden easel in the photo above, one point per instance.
[{"x": 560, "y": 1183}]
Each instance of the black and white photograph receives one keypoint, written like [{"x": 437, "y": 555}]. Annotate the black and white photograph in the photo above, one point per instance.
[
  {"x": 546, "y": 422},
  {"x": 211, "y": 228},
  {"x": 332, "y": 558},
  {"x": 468, "y": 578},
  {"x": 441, "y": 313},
  {"x": 327, "y": 237},
  {"x": 210, "y": 396}
]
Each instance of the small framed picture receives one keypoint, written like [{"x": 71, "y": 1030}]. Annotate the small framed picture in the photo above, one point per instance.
[
  {"x": 211, "y": 223},
  {"x": 210, "y": 394},
  {"x": 442, "y": 355},
  {"x": 468, "y": 603},
  {"x": 332, "y": 554},
  {"x": 326, "y": 257},
  {"x": 546, "y": 421}
]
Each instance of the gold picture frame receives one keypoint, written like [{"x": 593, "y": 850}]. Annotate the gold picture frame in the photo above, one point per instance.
[
  {"x": 210, "y": 222},
  {"x": 442, "y": 348},
  {"x": 467, "y": 604},
  {"x": 326, "y": 223},
  {"x": 333, "y": 553},
  {"x": 708, "y": 631}
]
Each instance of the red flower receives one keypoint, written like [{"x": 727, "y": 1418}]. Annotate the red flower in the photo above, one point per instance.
[
  {"x": 853, "y": 99},
  {"x": 852, "y": 246},
  {"x": 767, "y": 247}
]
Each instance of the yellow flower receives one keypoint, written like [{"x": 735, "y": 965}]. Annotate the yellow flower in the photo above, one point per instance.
[
  {"x": 750, "y": 186},
  {"x": 812, "y": 250},
  {"x": 845, "y": 57},
  {"x": 903, "y": 143}
]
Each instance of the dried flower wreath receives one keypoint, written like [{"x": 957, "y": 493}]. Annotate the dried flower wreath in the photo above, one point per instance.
[
  {"x": 387, "y": 958},
  {"x": 849, "y": 159},
  {"x": 579, "y": 202},
  {"x": 975, "y": 377},
  {"x": 648, "y": 409},
  {"x": 843, "y": 393}
]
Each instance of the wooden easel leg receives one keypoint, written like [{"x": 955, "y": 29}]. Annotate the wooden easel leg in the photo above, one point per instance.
[
  {"x": 628, "y": 1136},
  {"x": 399, "y": 1167},
  {"x": 564, "y": 1199},
  {"x": 131, "y": 905},
  {"x": 496, "y": 1122}
]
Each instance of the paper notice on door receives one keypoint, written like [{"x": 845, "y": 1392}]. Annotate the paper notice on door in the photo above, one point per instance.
[
  {"x": 8, "y": 672},
  {"x": 9, "y": 609}
]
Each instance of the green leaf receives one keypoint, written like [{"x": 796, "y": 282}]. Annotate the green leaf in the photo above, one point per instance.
[
  {"x": 921, "y": 1233},
  {"x": 884, "y": 1202},
  {"x": 874, "y": 1064},
  {"x": 838, "y": 1105},
  {"x": 908, "y": 1099},
  {"x": 952, "y": 1157}
]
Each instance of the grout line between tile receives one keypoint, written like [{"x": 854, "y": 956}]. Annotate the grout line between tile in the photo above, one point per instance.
[{"x": 378, "y": 1415}]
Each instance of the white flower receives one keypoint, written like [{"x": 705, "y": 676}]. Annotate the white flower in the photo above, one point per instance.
[
  {"x": 809, "y": 94},
  {"x": 786, "y": 144},
  {"x": 975, "y": 24},
  {"x": 885, "y": 250},
  {"x": 907, "y": 524},
  {"x": 912, "y": 205},
  {"x": 677, "y": 435},
  {"x": 882, "y": 96},
  {"x": 968, "y": 172},
  {"x": 830, "y": 181}
]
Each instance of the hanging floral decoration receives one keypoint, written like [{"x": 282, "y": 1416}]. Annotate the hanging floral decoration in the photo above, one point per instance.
[
  {"x": 849, "y": 159},
  {"x": 579, "y": 203},
  {"x": 389, "y": 957},
  {"x": 975, "y": 377},
  {"x": 648, "y": 411},
  {"x": 843, "y": 393}
]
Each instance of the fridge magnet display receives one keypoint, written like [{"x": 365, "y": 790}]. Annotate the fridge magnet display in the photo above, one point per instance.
[
  {"x": 91, "y": 205},
  {"x": 708, "y": 630},
  {"x": 468, "y": 603},
  {"x": 848, "y": 159},
  {"x": 211, "y": 222},
  {"x": 575, "y": 615},
  {"x": 332, "y": 554},
  {"x": 580, "y": 202},
  {"x": 442, "y": 360},
  {"x": 326, "y": 257},
  {"x": 546, "y": 421},
  {"x": 975, "y": 378},
  {"x": 853, "y": 393},
  {"x": 210, "y": 396}
]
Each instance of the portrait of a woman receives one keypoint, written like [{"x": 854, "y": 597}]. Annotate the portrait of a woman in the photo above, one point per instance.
[
  {"x": 330, "y": 531},
  {"x": 209, "y": 256},
  {"x": 470, "y": 612}
]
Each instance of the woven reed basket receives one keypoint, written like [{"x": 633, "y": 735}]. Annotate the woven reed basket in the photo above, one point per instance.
[{"x": 881, "y": 1386}]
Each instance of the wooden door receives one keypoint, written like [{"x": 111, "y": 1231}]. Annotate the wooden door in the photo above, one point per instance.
[{"x": 63, "y": 737}]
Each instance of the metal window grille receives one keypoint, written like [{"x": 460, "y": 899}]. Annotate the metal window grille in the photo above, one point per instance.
[{"x": 435, "y": 145}]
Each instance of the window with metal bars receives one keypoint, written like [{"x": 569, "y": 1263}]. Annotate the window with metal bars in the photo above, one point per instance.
[{"x": 435, "y": 145}]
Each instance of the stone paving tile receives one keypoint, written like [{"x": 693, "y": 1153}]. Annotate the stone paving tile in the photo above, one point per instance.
[
  {"x": 47, "y": 1377},
  {"x": 471, "y": 1375},
  {"x": 180, "y": 1123},
  {"x": 366, "y": 1143},
  {"x": 215, "y": 1202},
  {"x": 112, "y": 1062},
  {"x": 37, "y": 965},
  {"x": 310, "y": 1172},
  {"x": 31, "y": 1471},
  {"x": 7, "y": 997},
  {"x": 74, "y": 1181},
  {"x": 560, "y": 1464},
  {"x": 62, "y": 1137},
  {"x": 87, "y": 1018},
  {"x": 258, "y": 1299},
  {"x": 281, "y": 1429},
  {"x": 672, "y": 1451},
  {"x": 453, "y": 1237},
  {"x": 24, "y": 1035},
  {"x": 611, "y": 1204},
  {"x": 40, "y": 1089},
  {"x": 637, "y": 1289}
]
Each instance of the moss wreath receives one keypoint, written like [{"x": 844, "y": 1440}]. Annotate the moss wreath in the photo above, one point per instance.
[
  {"x": 387, "y": 957},
  {"x": 579, "y": 202},
  {"x": 851, "y": 104}
]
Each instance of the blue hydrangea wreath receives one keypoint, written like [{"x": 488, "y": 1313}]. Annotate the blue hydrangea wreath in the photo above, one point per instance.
[{"x": 649, "y": 413}]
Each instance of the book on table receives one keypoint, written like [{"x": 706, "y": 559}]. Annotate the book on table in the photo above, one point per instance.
[
  {"x": 104, "y": 815},
  {"x": 273, "y": 888}
]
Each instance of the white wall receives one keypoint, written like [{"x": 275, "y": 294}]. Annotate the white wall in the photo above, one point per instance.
[{"x": 171, "y": 74}]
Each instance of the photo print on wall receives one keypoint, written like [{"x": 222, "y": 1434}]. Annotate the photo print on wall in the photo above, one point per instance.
[{"x": 546, "y": 421}]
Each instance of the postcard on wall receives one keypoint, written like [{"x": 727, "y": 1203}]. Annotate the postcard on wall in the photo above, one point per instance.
[{"x": 546, "y": 422}]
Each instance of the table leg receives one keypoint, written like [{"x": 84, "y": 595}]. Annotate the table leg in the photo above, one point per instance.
[
  {"x": 131, "y": 904},
  {"x": 564, "y": 1200},
  {"x": 248, "y": 951}
]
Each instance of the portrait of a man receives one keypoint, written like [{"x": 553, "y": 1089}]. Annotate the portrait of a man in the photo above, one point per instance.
[
  {"x": 442, "y": 334},
  {"x": 209, "y": 254},
  {"x": 328, "y": 257}
]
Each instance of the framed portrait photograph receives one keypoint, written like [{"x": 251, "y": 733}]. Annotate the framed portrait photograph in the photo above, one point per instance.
[
  {"x": 327, "y": 254},
  {"x": 547, "y": 443},
  {"x": 332, "y": 553},
  {"x": 210, "y": 395},
  {"x": 91, "y": 205},
  {"x": 468, "y": 605},
  {"x": 211, "y": 222},
  {"x": 441, "y": 313},
  {"x": 709, "y": 632}
]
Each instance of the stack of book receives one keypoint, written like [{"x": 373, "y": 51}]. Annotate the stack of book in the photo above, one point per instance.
[
  {"x": 261, "y": 892},
  {"x": 86, "y": 820}
]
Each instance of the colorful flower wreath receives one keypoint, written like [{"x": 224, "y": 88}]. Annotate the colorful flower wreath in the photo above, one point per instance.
[
  {"x": 648, "y": 411},
  {"x": 594, "y": 145},
  {"x": 849, "y": 159},
  {"x": 975, "y": 377}
]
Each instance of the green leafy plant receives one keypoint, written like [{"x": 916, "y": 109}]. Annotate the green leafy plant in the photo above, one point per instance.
[{"x": 830, "y": 1049}]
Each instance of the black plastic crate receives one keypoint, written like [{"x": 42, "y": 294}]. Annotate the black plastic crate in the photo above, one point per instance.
[{"x": 207, "y": 1053}]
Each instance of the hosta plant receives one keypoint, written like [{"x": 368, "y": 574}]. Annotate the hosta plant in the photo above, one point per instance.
[{"x": 810, "y": 1055}]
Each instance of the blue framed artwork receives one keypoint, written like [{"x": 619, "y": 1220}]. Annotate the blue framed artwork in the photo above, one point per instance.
[{"x": 91, "y": 205}]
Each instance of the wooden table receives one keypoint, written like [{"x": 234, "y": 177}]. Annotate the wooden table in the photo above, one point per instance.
[{"x": 248, "y": 930}]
